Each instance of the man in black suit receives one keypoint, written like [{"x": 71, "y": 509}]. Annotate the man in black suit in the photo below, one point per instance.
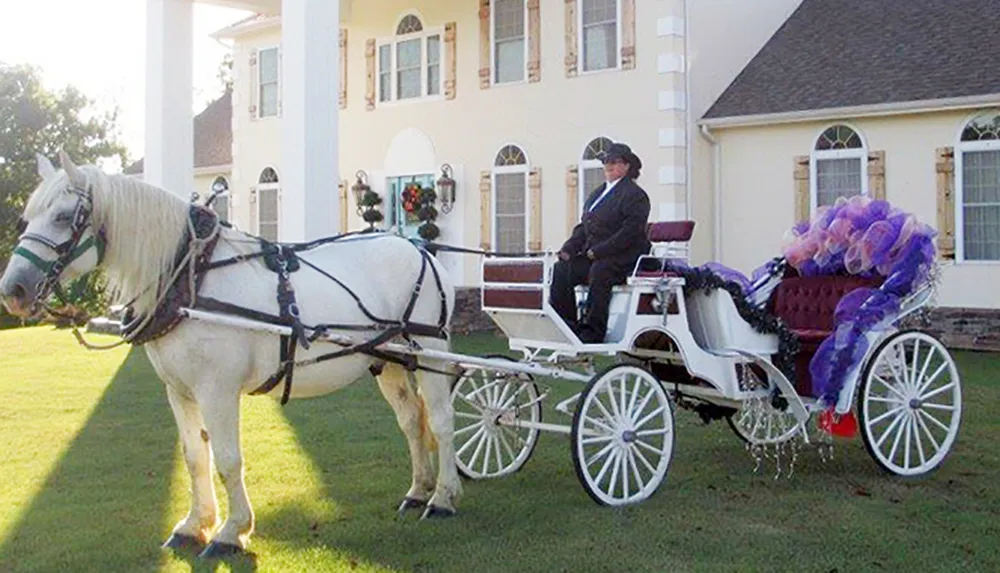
[{"x": 604, "y": 246}]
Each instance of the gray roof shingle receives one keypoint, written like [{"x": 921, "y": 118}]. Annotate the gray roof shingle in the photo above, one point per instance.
[
  {"x": 213, "y": 136},
  {"x": 841, "y": 53}
]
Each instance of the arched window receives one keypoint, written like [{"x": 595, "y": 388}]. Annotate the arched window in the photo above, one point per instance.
[
  {"x": 977, "y": 188},
  {"x": 409, "y": 63},
  {"x": 220, "y": 204},
  {"x": 838, "y": 166},
  {"x": 510, "y": 200},
  {"x": 591, "y": 170},
  {"x": 268, "y": 204}
]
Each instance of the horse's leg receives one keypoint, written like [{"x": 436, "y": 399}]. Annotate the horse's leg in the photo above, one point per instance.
[
  {"x": 395, "y": 386},
  {"x": 197, "y": 527},
  {"x": 436, "y": 392},
  {"x": 221, "y": 411}
]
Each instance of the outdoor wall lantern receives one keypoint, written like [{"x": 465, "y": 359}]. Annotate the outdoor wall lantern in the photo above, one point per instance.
[
  {"x": 446, "y": 188},
  {"x": 359, "y": 189}
]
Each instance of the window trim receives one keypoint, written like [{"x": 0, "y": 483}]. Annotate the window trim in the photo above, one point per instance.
[
  {"x": 494, "y": 68},
  {"x": 277, "y": 82},
  {"x": 525, "y": 170},
  {"x": 580, "y": 68},
  {"x": 276, "y": 186},
  {"x": 393, "y": 40},
  {"x": 961, "y": 147},
  {"x": 816, "y": 156}
]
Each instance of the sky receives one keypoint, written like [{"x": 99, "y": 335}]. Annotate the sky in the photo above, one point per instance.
[{"x": 99, "y": 46}]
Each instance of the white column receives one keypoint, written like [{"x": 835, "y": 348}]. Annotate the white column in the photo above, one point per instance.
[
  {"x": 169, "y": 153},
  {"x": 309, "y": 104}
]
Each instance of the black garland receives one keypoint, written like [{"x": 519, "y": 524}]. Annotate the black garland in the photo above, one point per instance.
[{"x": 759, "y": 319}]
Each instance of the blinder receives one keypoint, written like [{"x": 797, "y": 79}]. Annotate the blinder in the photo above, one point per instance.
[{"x": 66, "y": 251}]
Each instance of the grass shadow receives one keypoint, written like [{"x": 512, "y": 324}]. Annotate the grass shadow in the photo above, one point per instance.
[{"x": 105, "y": 498}]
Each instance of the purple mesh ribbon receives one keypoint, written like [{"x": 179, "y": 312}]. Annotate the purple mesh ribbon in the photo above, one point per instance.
[{"x": 864, "y": 237}]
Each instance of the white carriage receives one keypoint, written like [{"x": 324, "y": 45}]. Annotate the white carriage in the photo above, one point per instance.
[{"x": 676, "y": 346}]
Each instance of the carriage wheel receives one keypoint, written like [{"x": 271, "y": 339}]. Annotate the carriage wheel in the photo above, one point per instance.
[
  {"x": 489, "y": 405},
  {"x": 622, "y": 435},
  {"x": 910, "y": 404}
]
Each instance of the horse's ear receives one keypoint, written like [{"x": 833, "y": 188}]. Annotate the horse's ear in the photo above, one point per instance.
[
  {"x": 76, "y": 177},
  {"x": 45, "y": 168}
]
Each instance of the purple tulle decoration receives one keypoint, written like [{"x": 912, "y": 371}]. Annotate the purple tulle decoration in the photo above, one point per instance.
[{"x": 863, "y": 237}]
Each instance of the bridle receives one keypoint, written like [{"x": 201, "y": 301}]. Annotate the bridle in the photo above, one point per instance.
[{"x": 66, "y": 252}]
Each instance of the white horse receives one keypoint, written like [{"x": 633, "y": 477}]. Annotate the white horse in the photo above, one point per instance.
[{"x": 207, "y": 367}]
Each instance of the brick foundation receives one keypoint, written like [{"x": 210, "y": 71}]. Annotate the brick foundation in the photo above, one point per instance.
[
  {"x": 469, "y": 315},
  {"x": 964, "y": 328}
]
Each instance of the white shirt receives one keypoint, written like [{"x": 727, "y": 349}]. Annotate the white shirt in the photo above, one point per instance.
[{"x": 607, "y": 189}]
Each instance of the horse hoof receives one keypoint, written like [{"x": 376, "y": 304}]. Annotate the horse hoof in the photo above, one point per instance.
[
  {"x": 218, "y": 549},
  {"x": 181, "y": 541},
  {"x": 410, "y": 503},
  {"x": 434, "y": 511}
]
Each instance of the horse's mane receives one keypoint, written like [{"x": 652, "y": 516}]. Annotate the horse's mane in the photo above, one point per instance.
[{"x": 143, "y": 224}]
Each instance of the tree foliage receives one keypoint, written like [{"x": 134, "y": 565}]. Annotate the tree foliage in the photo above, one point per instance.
[{"x": 33, "y": 120}]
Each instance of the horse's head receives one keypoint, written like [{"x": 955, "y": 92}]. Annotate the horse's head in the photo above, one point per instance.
[{"x": 58, "y": 241}]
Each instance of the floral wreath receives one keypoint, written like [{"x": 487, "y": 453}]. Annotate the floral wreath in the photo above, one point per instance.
[{"x": 419, "y": 201}]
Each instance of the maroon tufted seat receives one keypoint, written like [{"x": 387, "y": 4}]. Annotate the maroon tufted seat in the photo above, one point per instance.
[{"x": 807, "y": 306}]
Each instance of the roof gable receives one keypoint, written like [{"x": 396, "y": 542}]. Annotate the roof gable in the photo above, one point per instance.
[
  {"x": 845, "y": 53},
  {"x": 213, "y": 136}
]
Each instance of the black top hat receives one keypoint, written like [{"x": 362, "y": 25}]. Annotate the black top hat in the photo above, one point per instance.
[{"x": 623, "y": 152}]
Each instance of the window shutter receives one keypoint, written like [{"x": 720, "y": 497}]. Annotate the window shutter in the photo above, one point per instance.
[
  {"x": 572, "y": 196},
  {"x": 370, "y": 74},
  {"x": 485, "y": 210},
  {"x": 343, "y": 68},
  {"x": 628, "y": 34},
  {"x": 876, "y": 174},
  {"x": 449, "y": 60},
  {"x": 571, "y": 57},
  {"x": 534, "y": 41},
  {"x": 254, "y": 85},
  {"x": 801, "y": 188},
  {"x": 535, "y": 210},
  {"x": 342, "y": 190},
  {"x": 945, "y": 167},
  {"x": 484, "y": 44}
]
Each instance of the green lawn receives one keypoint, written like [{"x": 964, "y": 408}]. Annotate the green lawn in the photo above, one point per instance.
[{"x": 91, "y": 480}]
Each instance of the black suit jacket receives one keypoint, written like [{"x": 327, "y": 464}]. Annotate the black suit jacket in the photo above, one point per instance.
[{"x": 616, "y": 229}]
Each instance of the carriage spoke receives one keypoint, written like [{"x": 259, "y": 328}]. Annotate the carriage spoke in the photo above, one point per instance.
[
  {"x": 479, "y": 448},
  {"x": 933, "y": 419},
  {"x": 513, "y": 398},
  {"x": 467, "y": 415},
  {"x": 908, "y": 424},
  {"x": 472, "y": 440},
  {"x": 595, "y": 439},
  {"x": 926, "y": 383},
  {"x": 929, "y": 395},
  {"x": 649, "y": 417},
  {"x": 614, "y": 404},
  {"x": 633, "y": 449},
  {"x": 612, "y": 460},
  {"x": 648, "y": 447},
  {"x": 927, "y": 431},
  {"x": 598, "y": 422},
  {"x": 889, "y": 430},
  {"x": 640, "y": 483},
  {"x": 635, "y": 396},
  {"x": 642, "y": 406},
  {"x": 614, "y": 473},
  {"x": 923, "y": 369},
  {"x": 486, "y": 456},
  {"x": 466, "y": 429},
  {"x": 497, "y": 452},
  {"x": 936, "y": 406},
  {"x": 911, "y": 372},
  {"x": 899, "y": 434},
  {"x": 885, "y": 415},
  {"x": 916, "y": 438},
  {"x": 891, "y": 387},
  {"x": 624, "y": 464},
  {"x": 600, "y": 454},
  {"x": 659, "y": 432}
]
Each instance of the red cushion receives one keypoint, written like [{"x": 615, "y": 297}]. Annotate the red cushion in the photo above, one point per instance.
[
  {"x": 670, "y": 231},
  {"x": 812, "y": 336},
  {"x": 808, "y": 303}
]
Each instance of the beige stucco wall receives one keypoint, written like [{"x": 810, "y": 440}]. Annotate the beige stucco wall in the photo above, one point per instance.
[
  {"x": 551, "y": 120},
  {"x": 724, "y": 35},
  {"x": 758, "y": 200}
]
